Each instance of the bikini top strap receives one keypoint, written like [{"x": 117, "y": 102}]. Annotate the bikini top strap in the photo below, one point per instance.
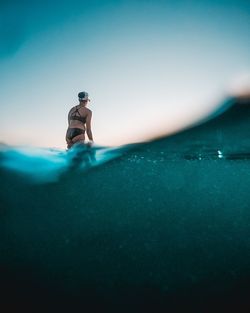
[{"x": 76, "y": 111}]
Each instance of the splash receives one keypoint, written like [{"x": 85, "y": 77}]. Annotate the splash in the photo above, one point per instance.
[{"x": 43, "y": 165}]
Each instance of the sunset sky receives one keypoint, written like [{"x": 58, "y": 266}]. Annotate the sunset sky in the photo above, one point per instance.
[{"x": 150, "y": 67}]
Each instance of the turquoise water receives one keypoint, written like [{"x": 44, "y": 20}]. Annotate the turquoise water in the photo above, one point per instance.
[
  {"x": 161, "y": 226},
  {"x": 44, "y": 165}
]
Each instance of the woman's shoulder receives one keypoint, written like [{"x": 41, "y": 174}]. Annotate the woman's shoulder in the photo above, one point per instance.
[
  {"x": 87, "y": 110},
  {"x": 73, "y": 108}
]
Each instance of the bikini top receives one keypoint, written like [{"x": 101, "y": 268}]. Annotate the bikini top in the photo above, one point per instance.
[{"x": 78, "y": 117}]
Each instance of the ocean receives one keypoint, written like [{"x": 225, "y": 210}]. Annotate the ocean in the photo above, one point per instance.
[{"x": 159, "y": 226}]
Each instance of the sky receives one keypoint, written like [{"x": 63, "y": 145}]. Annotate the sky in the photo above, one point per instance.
[{"x": 150, "y": 67}]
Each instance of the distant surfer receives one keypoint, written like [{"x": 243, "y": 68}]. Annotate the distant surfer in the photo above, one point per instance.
[{"x": 79, "y": 121}]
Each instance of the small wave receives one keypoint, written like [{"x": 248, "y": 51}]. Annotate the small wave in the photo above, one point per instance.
[{"x": 48, "y": 164}]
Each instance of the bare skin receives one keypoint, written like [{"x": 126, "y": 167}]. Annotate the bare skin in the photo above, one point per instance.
[{"x": 84, "y": 112}]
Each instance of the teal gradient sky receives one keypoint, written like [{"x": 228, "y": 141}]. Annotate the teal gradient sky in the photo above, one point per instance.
[{"x": 150, "y": 67}]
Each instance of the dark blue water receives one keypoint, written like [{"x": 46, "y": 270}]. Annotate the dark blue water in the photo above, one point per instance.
[{"x": 162, "y": 226}]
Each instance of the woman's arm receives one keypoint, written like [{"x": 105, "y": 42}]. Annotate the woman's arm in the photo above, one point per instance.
[
  {"x": 69, "y": 114},
  {"x": 88, "y": 125}
]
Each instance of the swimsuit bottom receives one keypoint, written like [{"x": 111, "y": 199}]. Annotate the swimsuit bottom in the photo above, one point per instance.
[{"x": 73, "y": 132}]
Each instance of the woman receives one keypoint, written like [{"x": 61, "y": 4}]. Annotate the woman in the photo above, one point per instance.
[{"x": 79, "y": 119}]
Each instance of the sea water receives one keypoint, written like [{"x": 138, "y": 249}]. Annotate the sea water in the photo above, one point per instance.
[{"x": 161, "y": 226}]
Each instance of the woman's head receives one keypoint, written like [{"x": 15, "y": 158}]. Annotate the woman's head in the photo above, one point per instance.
[{"x": 83, "y": 97}]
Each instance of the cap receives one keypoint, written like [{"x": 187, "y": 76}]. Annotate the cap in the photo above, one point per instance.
[{"x": 83, "y": 96}]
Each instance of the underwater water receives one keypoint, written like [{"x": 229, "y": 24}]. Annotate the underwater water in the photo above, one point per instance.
[{"x": 161, "y": 226}]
